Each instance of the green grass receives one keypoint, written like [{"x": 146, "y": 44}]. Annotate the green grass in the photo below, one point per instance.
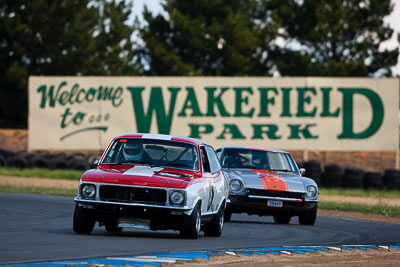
[
  {"x": 367, "y": 209},
  {"x": 38, "y": 190},
  {"x": 359, "y": 192},
  {"x": 42, "y": 173}
]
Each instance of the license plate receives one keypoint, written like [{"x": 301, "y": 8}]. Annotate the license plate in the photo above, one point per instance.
[{"x": 275, "y": 203}]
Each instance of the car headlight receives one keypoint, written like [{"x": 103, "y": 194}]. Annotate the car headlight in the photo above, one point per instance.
[
  {"x": 89, "y": 191},
  {"x": 177, "y": 197},
  {"x": 235, "y": 185},
  {"x": 311, "y": 191}
]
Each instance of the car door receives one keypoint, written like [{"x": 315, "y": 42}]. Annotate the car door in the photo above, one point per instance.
[
  {"x": 208, "y": 197},
  {"x": 217, "y": 179}
]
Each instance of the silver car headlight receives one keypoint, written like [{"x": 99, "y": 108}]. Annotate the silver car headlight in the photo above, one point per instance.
[
  {"x": 177, "y": 197},
  {"x": 88, "y": 191},
  {"x": 235, "y": 185},
  {"x": 311, "y": 191}
]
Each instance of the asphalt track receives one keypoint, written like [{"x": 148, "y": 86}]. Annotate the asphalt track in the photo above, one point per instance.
[{"x": 39, "y": 228}]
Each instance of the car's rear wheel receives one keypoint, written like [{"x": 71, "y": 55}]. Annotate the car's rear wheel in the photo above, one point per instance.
[
  {"x": 190, "y": 228},
  {"x": 83, "y": 222},
  {"x": 215, "y": 227},
  {"x": 308, "y": 217},
  {"x": 282, "y": 219}
]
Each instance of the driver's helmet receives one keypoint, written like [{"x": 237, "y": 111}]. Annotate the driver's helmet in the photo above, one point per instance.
[{"x": 133, "y": 151}]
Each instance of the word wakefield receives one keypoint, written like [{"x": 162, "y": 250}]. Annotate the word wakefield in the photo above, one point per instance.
[{"x": 298, "y": 113}]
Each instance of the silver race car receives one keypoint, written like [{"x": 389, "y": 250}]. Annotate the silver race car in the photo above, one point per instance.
[{"x": 268, "y": 182}]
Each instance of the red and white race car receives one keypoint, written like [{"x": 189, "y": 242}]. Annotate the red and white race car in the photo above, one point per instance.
[{"x": 156, "y": 182}]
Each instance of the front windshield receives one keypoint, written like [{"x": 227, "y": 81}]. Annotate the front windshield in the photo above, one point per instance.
[
  {"x": 162, "y": 153},
  {"x": 257, "y": 159}
]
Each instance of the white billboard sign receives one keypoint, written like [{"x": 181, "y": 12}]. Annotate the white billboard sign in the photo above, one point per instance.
[{"x": 337, "y": 114}]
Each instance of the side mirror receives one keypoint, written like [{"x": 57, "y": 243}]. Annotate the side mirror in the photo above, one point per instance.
[
  {"x": 302, "y": 171},
  {"x": 96, "y": 162}
]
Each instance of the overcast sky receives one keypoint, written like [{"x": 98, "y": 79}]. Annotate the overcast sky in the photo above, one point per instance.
[{"x": 394, "y": 20}]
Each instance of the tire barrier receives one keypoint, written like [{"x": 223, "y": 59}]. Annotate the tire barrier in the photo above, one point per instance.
[
  {"x": 353, "y": 178},
  {"x": 373, "y": 180},
  {"x": 2, "y": 161},
  {"x": 313, "y": 170},
  {"x": 58, "y": 163},
  {"x": 17, "y": 161},
  {"x": 332, "y": 176},
  {"x": 39, "y": 162},
  {"x": 77, "y": 164},
  {"x": 391, "y": 179}
]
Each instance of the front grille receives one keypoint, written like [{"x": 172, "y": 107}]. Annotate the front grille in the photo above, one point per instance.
[
  {"x": 133, "y": 194},
  {"x": 273, "y": 193}
]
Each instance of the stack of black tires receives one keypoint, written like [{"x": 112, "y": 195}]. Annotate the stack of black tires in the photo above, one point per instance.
[
  {"x": 334, "y": 176},
  {"x": 75, "y": 161}
]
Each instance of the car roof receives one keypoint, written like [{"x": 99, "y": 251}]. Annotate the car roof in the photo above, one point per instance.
[
  {"x": 254, "y": 148},
  {"x": 162, "y": 137}
]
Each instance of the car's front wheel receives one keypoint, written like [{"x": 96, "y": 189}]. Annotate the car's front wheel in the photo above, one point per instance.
[
  {"x": 308, "y": 217},
  {"x": 215, "y": 227},
  {"x": 190, "y": 228},
  {"x": 83, "y": 221}
]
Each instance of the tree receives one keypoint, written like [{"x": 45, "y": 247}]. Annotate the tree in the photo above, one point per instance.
[
  {"x": 335, "y": 38},
  {"x": 208, "y": 37},
  {"x": 65, "y": 37}
]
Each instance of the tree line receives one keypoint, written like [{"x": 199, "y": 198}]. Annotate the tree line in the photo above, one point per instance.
[{"x": 197, "y": 37}]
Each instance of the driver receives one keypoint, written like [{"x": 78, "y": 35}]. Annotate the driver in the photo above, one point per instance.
[{"x": 133, "y": 151}]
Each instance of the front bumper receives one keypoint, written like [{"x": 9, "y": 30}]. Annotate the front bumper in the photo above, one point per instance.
[
  {"x": 252, "y": 204},
  {"x": 138, "y": 215}
]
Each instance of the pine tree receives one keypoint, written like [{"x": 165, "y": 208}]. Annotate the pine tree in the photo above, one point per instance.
[
  {"x": 335, "y": 38},
  {"x": 208, "y": 37},
  {"x": 64, "y": 37}
]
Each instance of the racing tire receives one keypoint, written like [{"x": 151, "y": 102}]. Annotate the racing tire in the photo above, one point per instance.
[
  {"x": 391, "y": 179},
  {"x": 190, "y": 228},
  {"x": 39, "y": 162},
  {"x": 308, "y": 217},
  {"x": 2, "y": 161},
  {"x": 282, "y": 219},
  {"x": 113, "y": 228},
  {"x": 17, "y": 161},
  {"x": 313, "y": 170},
  {"x": 216, "y": 226},
  {"x": 83, "y": 221},
  {"x": 373, "y": 180},
  {"x": 227, "y": 214}
]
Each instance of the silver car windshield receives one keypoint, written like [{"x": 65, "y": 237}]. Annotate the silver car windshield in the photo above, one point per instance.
[
  {"x": 162, "y": 153},
  {"x": 257, "y": 159}
]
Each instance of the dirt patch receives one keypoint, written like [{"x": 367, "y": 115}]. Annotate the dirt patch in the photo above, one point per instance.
[
  {"x": 371, "y": 257},
  {"x": 394, "y": 202},
  {"x": 38, "y": 182}
]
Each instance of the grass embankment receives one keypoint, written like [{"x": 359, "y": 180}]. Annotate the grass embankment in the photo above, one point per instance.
[
  {"x": 328, "y": 205},
  {"x": 42, "y": 173}
]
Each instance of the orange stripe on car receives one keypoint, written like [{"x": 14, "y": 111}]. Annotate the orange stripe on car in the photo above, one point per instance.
[{"x": 271, "y": 180}]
